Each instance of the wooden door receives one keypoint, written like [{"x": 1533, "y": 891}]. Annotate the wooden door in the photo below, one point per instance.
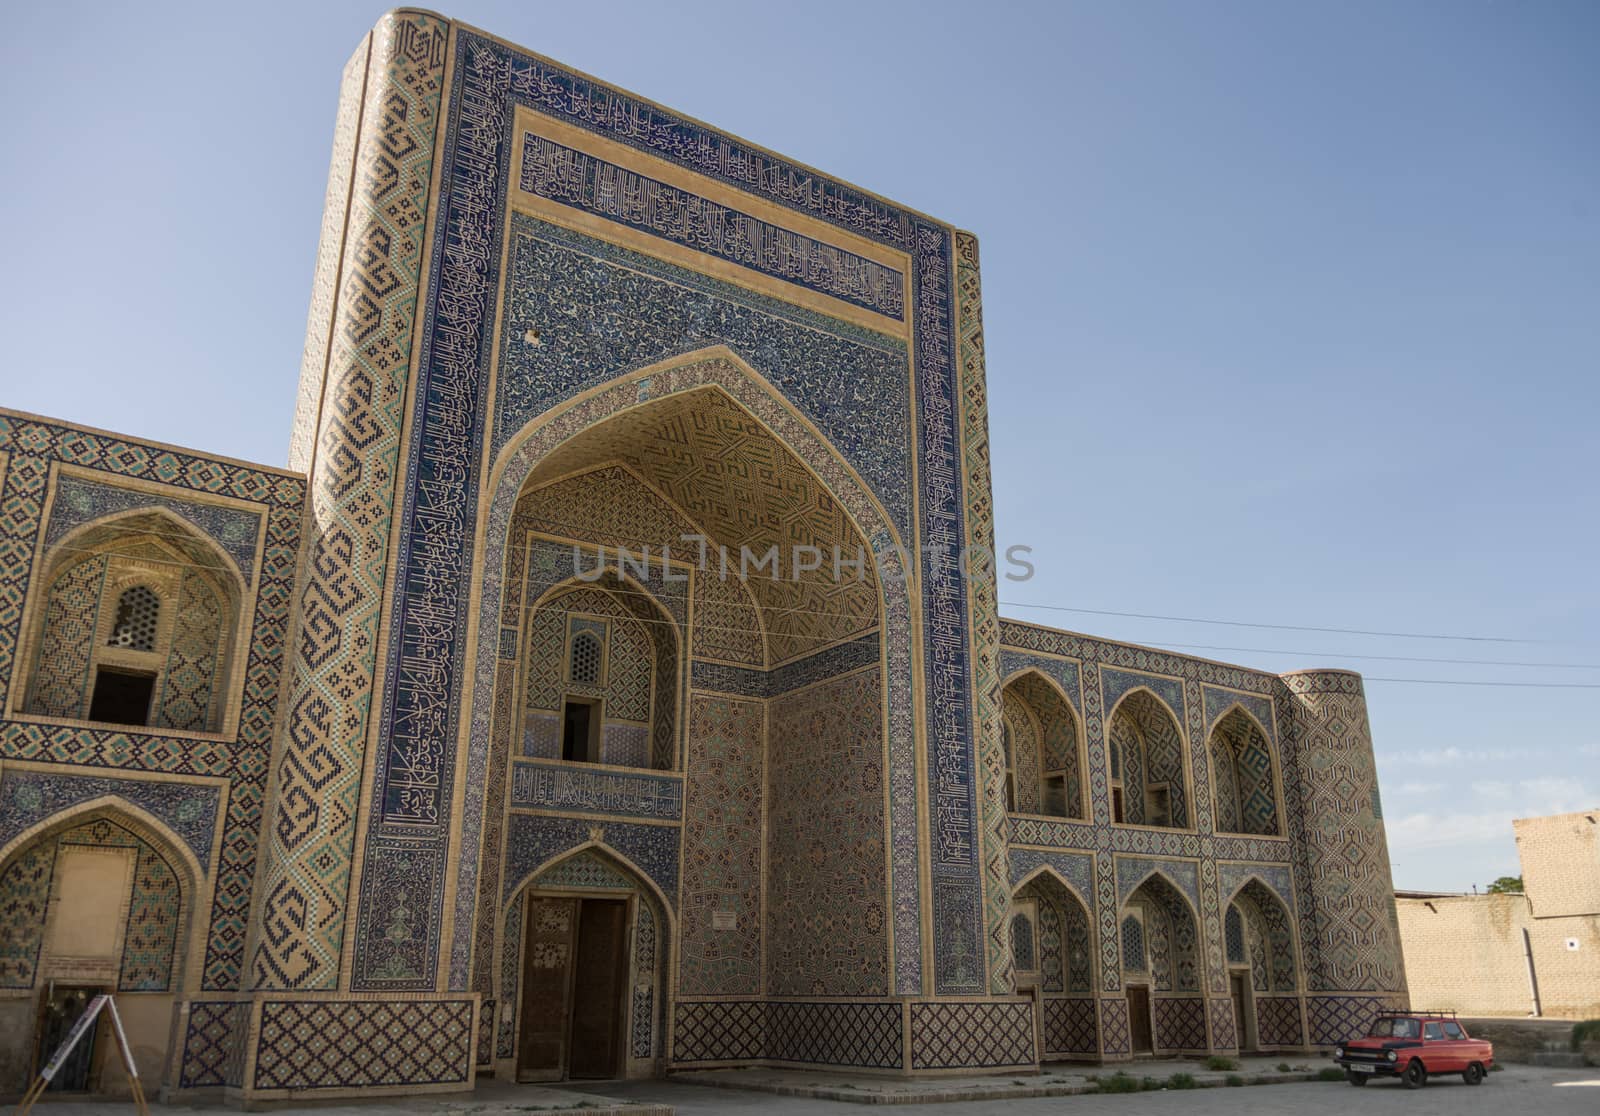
[
  {"x": 1139, "y": 1019},
  {"x": 547, "y": 963},
  {"x": 1241, "y": 1022},
  {"x": 598, "y": 983}
]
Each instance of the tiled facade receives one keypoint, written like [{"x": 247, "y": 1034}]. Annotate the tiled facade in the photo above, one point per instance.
[{"x": 491, "y": 661}]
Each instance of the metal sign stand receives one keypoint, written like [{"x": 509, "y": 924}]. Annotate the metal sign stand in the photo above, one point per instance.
[{"x": 79, "y": 1029}]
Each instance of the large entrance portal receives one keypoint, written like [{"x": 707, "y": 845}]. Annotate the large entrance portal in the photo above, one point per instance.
[{"x": 575, "y": 970}]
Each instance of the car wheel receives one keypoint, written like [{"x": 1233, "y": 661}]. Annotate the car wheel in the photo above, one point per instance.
[
  {"x": 1355, "y": 1078},
  {"x": 1473, "y": 1074},
  {"x": 1415, "y": 1076}
]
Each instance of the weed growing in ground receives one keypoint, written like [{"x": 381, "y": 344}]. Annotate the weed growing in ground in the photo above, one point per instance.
[
  {"x": 1330, "y": 1073},
  {"x": 1118, "y": 1082},
  {"x": 1220, "y": 1062},
  {"x": 1233, "y": 1079},
  {"x": 1283, "y": 1067},
  {"x": 1181, "y": 1081}
]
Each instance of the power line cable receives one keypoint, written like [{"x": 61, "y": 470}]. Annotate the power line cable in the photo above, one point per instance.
[{"x": 1275, "y": 627}]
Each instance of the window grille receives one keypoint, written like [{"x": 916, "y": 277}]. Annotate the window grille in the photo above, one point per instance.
[
  {"x": 138, "y": 609},
  {"x": 1233, "y": 930},
  {"x": 1132, "y": 944},
  {"x": 1022, "y": 943},
  {"x": 585, "y": 658}
]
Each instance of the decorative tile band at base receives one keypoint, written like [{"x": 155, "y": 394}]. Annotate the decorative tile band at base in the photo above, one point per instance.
[
  {"x": 972, "y": 1034},
  {"x": 1224, "y": 1028},
  {"x": 214, "y": 1043},
  {"x": 364, "y": 1044},
  {"x": 1278, "y": 1021},
  {"x": 1333, "y": 1019},
  {"x": 857, "y": 1034},
  {"x": 1070, "y": 1027},
  {"x": 846, "y": 1033},
  {"x": 1180, "y": 1023}
]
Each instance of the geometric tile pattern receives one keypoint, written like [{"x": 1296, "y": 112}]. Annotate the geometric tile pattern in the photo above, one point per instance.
[
  {"x": 1278, "y": 1020},
  {"x": 1114, "y": 1035},
  {"x": 861, "y": 1035},
  {"x": 1147, "y": 749},
  {"x": 31, "y": 446},
  {"x": 697, "y": 373},
  {"x": 1352, "y": 934},
  {"x": 80, "y": 500},
  {"x": 722, "y": 849},
  {"x": 1335, "y": 1019},
  {"x": 827, "y": 932},
  {"x": 719, "y": 1031},
  {"x": 1241, "y": 761},
  {"x": 953, "y": 1034},
  {"x": 351, "y": 1044},
  {"x": 214, "y": 1044},
  {"x": 60, "y": 680},
  {"x": 1069, "y": 1026},
  {"x": 310, "y": 837},
  {"x": 1180, "y": 1023},
  {"x": 1224, "y": 1032},
  {"x": 155, "y": 907},
  {"x": 28, "y": 797},
  {"x": 751, "y": 494},
  {"x": 972, "y": 434}
]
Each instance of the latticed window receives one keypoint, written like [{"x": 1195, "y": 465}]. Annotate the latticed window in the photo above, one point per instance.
[
  {"x": 1132, "y": 944},
  {"x": 585, "y": 666},
  {"x": 1233, "y": 931},
  {"x": 1022, "y": 943},
  {"x": 138, "y": 609}
]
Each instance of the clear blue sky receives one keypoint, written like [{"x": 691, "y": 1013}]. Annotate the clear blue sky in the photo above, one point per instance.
[{"x": 1293, "y": 311}]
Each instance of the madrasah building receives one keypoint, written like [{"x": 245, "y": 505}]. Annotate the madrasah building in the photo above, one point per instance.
[{"x": 456, "y": 748}]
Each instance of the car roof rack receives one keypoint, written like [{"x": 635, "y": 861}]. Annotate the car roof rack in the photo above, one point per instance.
[{"x": 1441, "y": 1012}]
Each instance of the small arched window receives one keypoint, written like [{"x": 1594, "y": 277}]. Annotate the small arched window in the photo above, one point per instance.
[
  {"x": 585, "y": 666},
  {"x": 1233, "y": 931},
  {"x": 138, "y": 612},
  {"x": 1132, "y": 944},
  {"x": 1022, "y": 943}
]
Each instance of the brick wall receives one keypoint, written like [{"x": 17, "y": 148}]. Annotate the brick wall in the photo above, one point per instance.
[
  {"x": 1561, "y": 863},
  {"x": 1468, "y": 953}
]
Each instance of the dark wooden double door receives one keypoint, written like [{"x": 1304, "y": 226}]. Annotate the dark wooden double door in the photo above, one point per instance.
[{"x": 574, "y": 976}]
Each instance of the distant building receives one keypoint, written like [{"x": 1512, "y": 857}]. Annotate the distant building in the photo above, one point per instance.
[
  {"x": 1537, "y": 953},
  {"x": 349, "y": 777}
]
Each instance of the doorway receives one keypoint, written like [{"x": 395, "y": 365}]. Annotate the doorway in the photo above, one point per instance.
[
  {"x": 1139, "y": 1030},
  {"x": 575, "y": 969},
  {"x": 59, "y": 1010},
  {"x": 1239, "y": 988}
]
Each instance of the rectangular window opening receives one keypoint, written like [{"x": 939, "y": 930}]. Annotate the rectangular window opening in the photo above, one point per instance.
[
  {"x": 580, "y": 731},
  {"x": 1116, "y": 804},
  {"x": 1159, "y": 810},
  {"x": 1055, "y": 795},
  {"x": 121, "y": 697}
]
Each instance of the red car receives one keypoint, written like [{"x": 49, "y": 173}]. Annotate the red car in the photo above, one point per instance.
[{"x": 1413, "y": 1046}]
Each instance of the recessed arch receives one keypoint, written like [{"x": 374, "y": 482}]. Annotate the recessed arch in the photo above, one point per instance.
[
  {"x": 178, "y": 673},
  {"x": 1170, "y": 930},
  {"x": 1244, "y": 775},
  {"x": 102, "y": 894},
  {"x": 1044, "y": 746},
  {"x": 1147, "y": 760},
  {"x": 542, "y": 451}
]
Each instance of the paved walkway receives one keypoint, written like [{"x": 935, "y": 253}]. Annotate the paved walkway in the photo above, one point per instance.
[{"x": 1516, "y": 1089}]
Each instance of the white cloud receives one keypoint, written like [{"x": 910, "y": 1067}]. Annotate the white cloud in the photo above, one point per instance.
[{"x": 1513, "y": 798}]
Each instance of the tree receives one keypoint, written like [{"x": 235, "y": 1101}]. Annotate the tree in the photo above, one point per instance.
[{"x": 1506, "y": 885}]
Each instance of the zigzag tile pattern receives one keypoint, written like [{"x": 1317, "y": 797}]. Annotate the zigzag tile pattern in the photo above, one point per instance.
[{"x": 310, "y": 836}]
